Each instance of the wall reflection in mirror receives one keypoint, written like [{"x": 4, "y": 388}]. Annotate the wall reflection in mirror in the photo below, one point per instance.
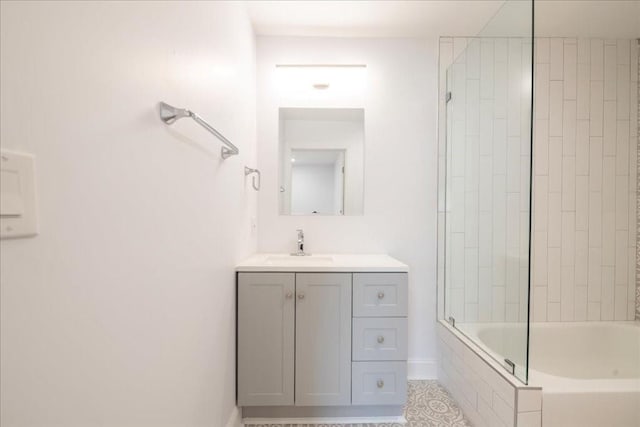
[{"x": 321, "y": 156}]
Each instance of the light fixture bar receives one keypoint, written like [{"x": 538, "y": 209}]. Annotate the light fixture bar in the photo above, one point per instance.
[{"x": 321, "y": 66}]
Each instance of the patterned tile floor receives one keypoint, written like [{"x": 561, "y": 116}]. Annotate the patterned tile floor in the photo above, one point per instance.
[{"x": 428, "y": 405}]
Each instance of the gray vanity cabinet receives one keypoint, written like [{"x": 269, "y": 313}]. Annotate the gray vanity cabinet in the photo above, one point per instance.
[
  {"x": 309, "y": 343},
  {"x": 266, "y": 328},
  {"x": 323, "y": 339}
]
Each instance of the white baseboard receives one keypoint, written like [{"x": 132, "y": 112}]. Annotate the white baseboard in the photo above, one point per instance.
[
  {"x": 235, "y": 419},
  {"x": 325, "y": 420},
  {"x": 422, "y": 369}
]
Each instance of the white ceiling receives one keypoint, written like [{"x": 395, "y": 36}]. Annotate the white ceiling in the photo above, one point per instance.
[
  {"x": 427, "y": 18},
  {"x": 370, "y": 18}
]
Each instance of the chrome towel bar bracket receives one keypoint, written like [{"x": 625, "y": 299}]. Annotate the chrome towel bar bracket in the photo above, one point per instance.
[{"x": 169, "y": 114}]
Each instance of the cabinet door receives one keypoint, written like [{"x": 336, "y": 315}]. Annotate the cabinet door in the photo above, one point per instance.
[
  {"x": 323, "y": 339},
  {"x": 266, "y": 322}
]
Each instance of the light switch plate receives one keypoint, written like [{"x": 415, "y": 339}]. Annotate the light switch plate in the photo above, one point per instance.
[{"x": 17, "y": 195}]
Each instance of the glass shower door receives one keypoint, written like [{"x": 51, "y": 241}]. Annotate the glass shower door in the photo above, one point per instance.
[{"x": 487, "y": 182}]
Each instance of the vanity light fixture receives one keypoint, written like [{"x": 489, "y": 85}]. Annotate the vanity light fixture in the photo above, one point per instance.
[
  {"x": 318, "y": 81},
  {"x": 293, "y": 160},
  {"x": 321, "y": 66}
]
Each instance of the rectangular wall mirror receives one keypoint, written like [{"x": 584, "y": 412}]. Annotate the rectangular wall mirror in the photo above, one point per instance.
[{"x": 321, "y": 156}]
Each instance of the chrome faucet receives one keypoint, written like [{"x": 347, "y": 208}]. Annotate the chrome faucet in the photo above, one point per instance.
[{"x": 300, "y": 251}]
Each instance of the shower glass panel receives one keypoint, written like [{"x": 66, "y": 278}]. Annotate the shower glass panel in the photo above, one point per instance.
[{"x": 487, "y": 186}]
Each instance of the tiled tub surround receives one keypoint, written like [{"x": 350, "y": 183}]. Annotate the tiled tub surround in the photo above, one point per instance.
[
  {"x": 487, "y": 395},
  {"x": 487, "y": 167},
  {"x": 583, "y": 382},
  {"x": 585, "y": 185},
  {"x": 585, "y": 179},
  {"x": 585, "y": 195}
]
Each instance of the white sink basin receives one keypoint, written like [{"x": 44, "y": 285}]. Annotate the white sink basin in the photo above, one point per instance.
[
  {"x": 345, "y": 263},
  {"x": 291, "y": 260}
]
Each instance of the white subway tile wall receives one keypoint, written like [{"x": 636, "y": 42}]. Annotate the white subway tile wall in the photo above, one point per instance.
[
  {"x": 488, "y": 166},
  {"x": 585, "y": 191},
  {"x": 585, "y": 259}
]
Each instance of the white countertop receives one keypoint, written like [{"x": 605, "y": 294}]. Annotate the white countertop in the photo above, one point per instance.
[{"x": 322, "y": 263}]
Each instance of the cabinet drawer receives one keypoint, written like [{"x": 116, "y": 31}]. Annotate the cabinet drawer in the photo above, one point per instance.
[
  {"x": 379, "y": 383},
  {"x": 380, "y": 338},
  {"x": 380, "y": 294}
]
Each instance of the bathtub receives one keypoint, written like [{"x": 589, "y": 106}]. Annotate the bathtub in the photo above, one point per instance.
[{"x": 589, "y": 371}]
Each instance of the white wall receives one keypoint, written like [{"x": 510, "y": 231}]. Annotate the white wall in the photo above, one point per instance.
[
  {"x": 121, "y": 311},
  {"x": 400, "y": 165},
  {"x": 339, "y": 182}
]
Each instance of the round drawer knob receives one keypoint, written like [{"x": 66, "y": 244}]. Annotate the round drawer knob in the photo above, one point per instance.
[
  {"x": 289, "y": 295},
  {"x": 380, "y": 339},
  {"x": 380, "y": 383},
  {"x": 300, "y": 296},
  {"x": 380, "y": 295}
]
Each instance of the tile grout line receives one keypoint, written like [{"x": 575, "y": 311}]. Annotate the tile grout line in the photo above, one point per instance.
[{"x": 637, "y": 47}]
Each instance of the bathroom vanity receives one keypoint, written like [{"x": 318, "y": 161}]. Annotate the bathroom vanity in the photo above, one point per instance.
[{"x": 322, "y": 336}]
